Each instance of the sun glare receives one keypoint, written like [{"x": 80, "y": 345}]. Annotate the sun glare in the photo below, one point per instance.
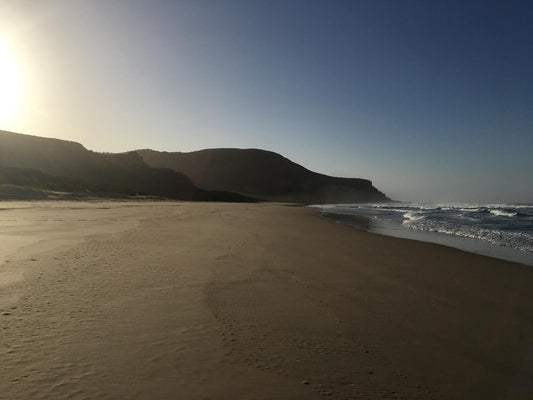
[{"x": 9, "y": 86}]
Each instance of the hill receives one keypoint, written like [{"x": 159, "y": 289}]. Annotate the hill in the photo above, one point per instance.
[
  {"x": 263, "y": 174},
  {"x": 37, "y": 167},
  {"x": 36, "y": 162}
]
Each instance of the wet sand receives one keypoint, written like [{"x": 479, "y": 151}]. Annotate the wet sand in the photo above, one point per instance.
[{"x": 250, "y": 301}]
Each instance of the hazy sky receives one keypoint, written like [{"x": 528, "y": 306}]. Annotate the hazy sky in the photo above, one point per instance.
[{"x": 431, "y": 100}]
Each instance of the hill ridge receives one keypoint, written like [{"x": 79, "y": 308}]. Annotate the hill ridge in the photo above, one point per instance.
[
  {"x": 262, "y": 173},
  {"x": 70, "y": 165},
  {"x": 219, "y": 174}
]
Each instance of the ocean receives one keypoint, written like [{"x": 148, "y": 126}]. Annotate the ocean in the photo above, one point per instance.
[{"x": 497, "y": 230}]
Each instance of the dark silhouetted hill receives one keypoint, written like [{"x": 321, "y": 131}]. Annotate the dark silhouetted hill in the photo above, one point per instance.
[
  {"x": 262, "y": 174},
  {"x": 53, "y": 164}
]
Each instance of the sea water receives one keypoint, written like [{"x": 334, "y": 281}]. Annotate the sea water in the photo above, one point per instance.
[{"x": 498, "y": 230}]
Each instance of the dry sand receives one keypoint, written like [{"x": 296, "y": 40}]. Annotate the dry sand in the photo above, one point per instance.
[{"x": 240, "y": 301}]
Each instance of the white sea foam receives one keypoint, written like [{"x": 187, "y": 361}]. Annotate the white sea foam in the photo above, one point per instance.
[
  {"x": 411, "y": 216},
  {"x": 507, "y": 225},
  {"x": 503, "y": 213}
]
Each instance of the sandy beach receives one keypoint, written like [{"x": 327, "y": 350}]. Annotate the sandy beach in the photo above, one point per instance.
[{"x": 177, "y": 300}]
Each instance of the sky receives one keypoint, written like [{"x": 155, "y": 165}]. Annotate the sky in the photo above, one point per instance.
[{"x": 431, "y": 100}]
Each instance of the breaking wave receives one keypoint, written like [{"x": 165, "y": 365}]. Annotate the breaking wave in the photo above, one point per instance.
[{"x": 508, "y": 225}]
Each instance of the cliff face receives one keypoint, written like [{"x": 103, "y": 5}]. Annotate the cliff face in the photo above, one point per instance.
[{"x": 263, "y": 174}]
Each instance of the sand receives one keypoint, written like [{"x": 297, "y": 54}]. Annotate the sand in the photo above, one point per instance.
[{"x": 250, "y": 301}]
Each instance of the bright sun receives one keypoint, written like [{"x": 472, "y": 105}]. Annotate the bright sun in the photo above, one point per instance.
[{"x": 9, "y": 86}]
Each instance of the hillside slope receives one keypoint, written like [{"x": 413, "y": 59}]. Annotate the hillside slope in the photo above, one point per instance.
[
  {"x": 262, "y": 174},
  {"x": 70, "y": 165}
]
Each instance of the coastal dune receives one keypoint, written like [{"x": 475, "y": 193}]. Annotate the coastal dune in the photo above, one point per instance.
[{"x": 250, "y": 301}]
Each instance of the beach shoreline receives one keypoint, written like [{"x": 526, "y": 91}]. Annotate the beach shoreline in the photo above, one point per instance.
[
  {"x": 254, "y": 301},
  {"x": 445, "y": 234}
]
